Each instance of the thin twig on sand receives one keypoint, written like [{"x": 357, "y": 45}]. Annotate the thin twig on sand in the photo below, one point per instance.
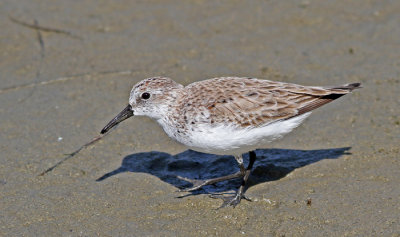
[
  {"x": 39, "y": 69},
  {"x": 66, "y": 78},
  {"x": 71, "y": 155},
  {"x": 42, "y": 28}
]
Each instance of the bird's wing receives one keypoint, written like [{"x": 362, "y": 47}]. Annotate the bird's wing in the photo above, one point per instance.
[{"x": 253, "y": 102}]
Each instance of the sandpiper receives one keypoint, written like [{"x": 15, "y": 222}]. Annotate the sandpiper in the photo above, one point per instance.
[{"x": 226, "y": 115}]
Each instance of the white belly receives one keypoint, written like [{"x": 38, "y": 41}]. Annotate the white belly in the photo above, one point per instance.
[{"x": 231, "y": 140}]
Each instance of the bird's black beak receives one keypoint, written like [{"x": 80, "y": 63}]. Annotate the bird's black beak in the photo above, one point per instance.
[{"x": 124, "y": 114}]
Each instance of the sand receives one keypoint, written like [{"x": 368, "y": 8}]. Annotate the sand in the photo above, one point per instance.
[{"x": 66, "y": 68}]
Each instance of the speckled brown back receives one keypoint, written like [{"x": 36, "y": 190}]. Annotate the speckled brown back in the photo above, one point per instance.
[{"x": 251, "y": 102}]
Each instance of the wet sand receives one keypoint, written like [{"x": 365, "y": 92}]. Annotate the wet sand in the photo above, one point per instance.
[{"x": 67, "y": 68}]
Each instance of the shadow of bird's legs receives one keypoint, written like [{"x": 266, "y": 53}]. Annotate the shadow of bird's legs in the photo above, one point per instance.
[{"x": 197, "y": 184}]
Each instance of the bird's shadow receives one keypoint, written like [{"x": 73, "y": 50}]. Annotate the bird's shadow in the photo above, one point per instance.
[{"x": 271, "y": 164}]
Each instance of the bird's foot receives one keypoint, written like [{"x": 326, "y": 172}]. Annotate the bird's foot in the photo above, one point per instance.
[
  {"x": 231, "y": 200},
  {"x": 197, "y": 184}
]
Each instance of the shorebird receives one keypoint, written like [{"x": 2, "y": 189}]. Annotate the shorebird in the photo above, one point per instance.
[{"x": 226, "y": 115}]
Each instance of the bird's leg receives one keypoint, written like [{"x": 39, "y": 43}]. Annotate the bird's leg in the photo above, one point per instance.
[
  {"x": 240, "y": 193},
  {"x": 239, "y": 160},
  {"x": 197, "y": 184}
]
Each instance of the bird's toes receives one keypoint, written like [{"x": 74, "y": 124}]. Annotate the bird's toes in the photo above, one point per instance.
[
  {"x": 232, "y": 201},
  {"x": 245, "y": 197}
]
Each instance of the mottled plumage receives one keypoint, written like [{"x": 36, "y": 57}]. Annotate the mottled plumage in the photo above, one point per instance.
[
  {"x": 227, "y": 115},
  {"x": 250, "y": 102}
]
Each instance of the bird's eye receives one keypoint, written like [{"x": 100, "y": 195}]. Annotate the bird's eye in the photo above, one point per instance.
[{"x": 145, "y": 95}]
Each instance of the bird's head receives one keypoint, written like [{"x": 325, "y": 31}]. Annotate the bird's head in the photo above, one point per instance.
[{"x": 150, "y": 97}]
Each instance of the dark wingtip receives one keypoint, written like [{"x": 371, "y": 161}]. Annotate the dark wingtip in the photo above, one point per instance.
[
  {"x": 350, "y": 86},
  {"x": 353, "y": 86},
  {"x": 103, "y": 131}
]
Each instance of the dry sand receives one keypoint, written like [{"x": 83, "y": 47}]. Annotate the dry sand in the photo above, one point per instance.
[{"x": 337, "y": 174}]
